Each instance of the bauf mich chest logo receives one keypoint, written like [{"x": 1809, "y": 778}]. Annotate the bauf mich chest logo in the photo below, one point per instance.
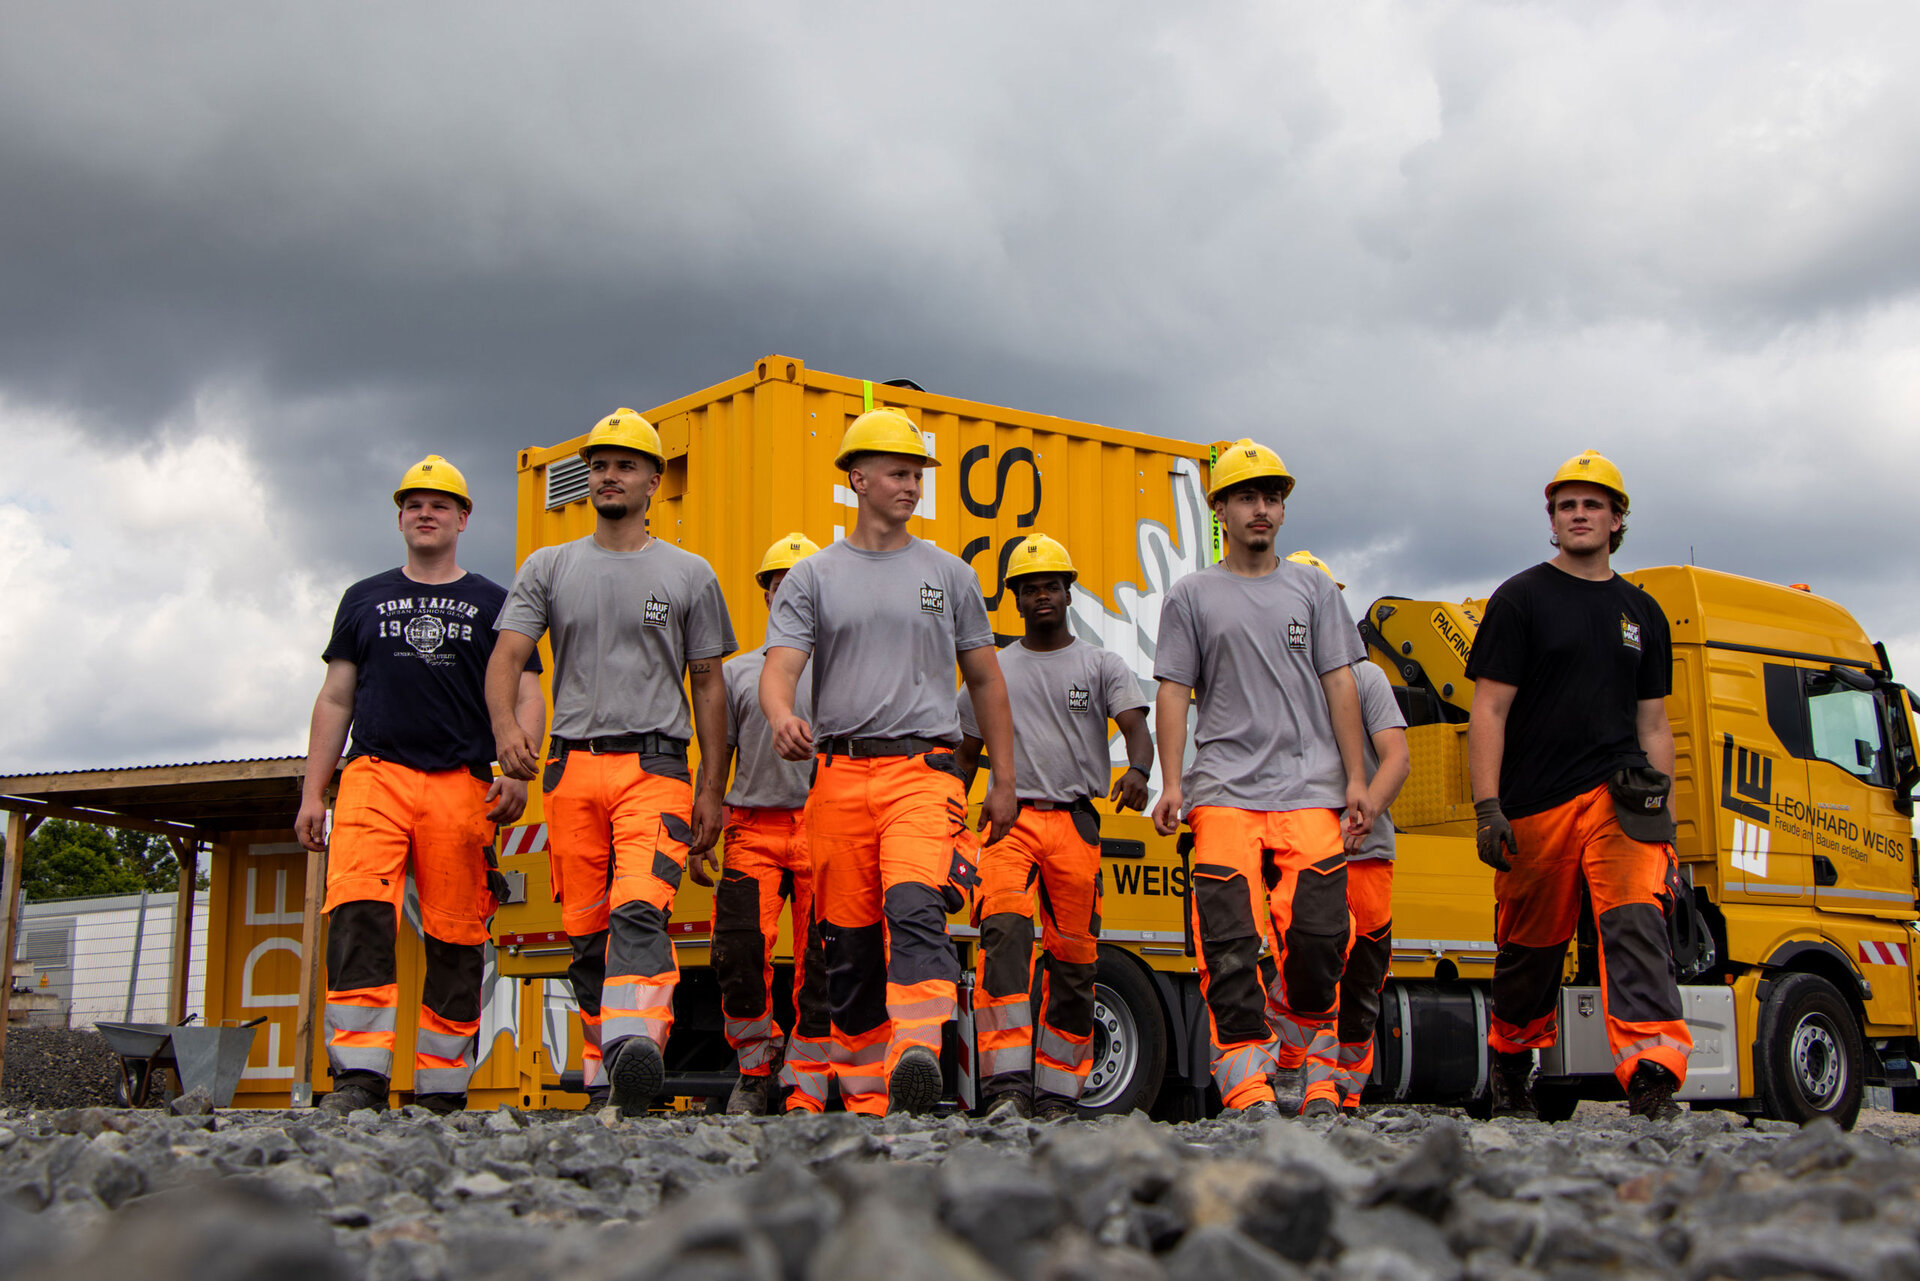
[
  {"x": 657, "y": 611},
  {"x": 933, "y": 600},
  {"x": 1296, "y": 634},
  {"x": 1079, "y": 698},
  {"x": 1629, "y": 633}
]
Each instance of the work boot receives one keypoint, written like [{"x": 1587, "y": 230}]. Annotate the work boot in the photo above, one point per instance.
[
  {"x": 1650, "y": 1092},
  {"x": 1289, "y": 1091},
  {"x": 1318, "y": 1105},
  {"x": 1513, "y": 1085},
  {"x": 749, "y": 1097},
  {"x": 1264, "y": 1110},
  {"x": 636, "y": 1072},
  {"x": 1054, "y": 1108},
  {"x": 1007, "y": 1103},
  {"x": 444, "y": 1104},
  {"x": 355, "y": 1094},
  {"x": 914, "y": 1086}
]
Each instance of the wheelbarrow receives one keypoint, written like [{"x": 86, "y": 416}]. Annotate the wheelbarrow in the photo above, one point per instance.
[{"x": 208, "y": 1057}]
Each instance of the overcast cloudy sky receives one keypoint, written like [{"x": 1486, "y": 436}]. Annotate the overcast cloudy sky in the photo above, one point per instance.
[{"x": 254, "y": 259}]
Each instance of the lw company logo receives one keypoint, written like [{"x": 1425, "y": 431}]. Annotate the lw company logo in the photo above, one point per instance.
[
  {"x": 657, "y": 612},
  {"x": 1079, "y": 699},
  {"x": 1296, "y": 634},
  {"x": 1746, "y": 784},
  {"x": 1629, "y": 632},
  {"x": 933, "y": 600}
]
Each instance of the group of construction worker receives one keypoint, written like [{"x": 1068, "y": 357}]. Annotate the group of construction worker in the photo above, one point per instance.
[{"x": 835, "y": 765}]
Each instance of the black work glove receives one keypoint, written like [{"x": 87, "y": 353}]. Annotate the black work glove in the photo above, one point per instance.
[
  {"x": 1492, "y": 831},
  {"x": 497, "y": 885}
]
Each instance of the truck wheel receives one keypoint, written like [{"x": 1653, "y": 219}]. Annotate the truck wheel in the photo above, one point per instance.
[
  {"x": 1129, "y": 1039},
  {"x": 1555, "y": 1099},
  {"x": 1808, "y": 1055}
]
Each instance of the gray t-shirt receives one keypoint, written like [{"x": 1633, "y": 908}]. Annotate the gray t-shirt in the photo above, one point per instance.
[
  {"x": 624, "y": 626},
  {"x": 1378, "y": 710},
  {"x": 1061, "y": 700},
  {"x": 762, "y": 778},
  {"x": 1254, "y": 649},
  {"x": 883, "y": 628}
]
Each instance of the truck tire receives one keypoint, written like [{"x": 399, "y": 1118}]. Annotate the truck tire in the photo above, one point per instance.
[
  {"x": 1129, "y": 1039},
  {"x": 1555, "y": 1098},
  {"x": 1808, "y": 1056}
]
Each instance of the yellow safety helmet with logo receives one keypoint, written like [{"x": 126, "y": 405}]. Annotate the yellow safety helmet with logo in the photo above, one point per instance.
[
  {"x": 625, "y": 429},
  {"x": 1244, "y": 460},
  {"x": 1305, "y": 557},
  {"x": 1038, "y": 554},
  {"x": 883, "y": 431},
  {"x": 435, "y": 473},
  {"x": 1594, "y": 469},
  {"x": 784, "y": 554}
]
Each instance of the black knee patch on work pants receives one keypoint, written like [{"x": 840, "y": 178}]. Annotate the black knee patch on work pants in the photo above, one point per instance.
[
  {"x": 1230, "y": 943},
  {"x": 1360, "y": 986},
  {"x": 856, "y": 975},
  {"x": 739, "y": 949},
  {"x": 587, "y": 974},
  {"x": 360, "y": 939},
  {"x": 918, "y": 949},
  {"x": 1639, "y": 964},
  {"x": 1007, "y": 939}
]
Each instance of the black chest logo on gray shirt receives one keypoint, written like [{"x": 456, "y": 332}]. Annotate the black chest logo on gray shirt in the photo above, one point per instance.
[
  {"x": 1079, "y": 699},
  {"x": 656, "y": 613},
  {"x": 933, "y": 600},
  {"x": 1296, "y": 634}
]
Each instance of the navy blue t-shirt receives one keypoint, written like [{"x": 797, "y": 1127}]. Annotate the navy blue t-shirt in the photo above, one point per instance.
[{"x": 422, "y": 651}]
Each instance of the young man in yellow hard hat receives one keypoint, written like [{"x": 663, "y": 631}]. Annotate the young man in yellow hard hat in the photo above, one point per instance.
[
  {"x": 766, "y": 865},
  {"x": 629, "y": 617},
  {"x": 1369, "y": 876},
  {"x": 1571, "y": 758},
  {"x": 885, "y": 617},
  {"x": 1062, "y": 692},
  {"x": 1278, "y": 753},
  {"x": 406, "y": 671}
]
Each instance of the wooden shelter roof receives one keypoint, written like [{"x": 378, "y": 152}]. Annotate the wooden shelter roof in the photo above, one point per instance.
[{"x": 194, "y": 799}]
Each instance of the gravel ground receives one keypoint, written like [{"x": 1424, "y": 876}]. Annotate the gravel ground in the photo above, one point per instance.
[
  {"x": 1396, "y": 1195},
  {"x": 50, "y": 1067}
]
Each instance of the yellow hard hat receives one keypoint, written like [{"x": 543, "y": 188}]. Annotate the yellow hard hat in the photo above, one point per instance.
[
  {"x": 1244, "y": 460},
  {"x": 1038, "y": 554},
  {"x": 1594, "y": 469},
  {"x": 784, "y": 554},
  {"x": 883, "y": 431},
  {"x": 1305, "y": 557},
  {"x": 625, "y": 429},
  {"x": 435, "y": 473}
]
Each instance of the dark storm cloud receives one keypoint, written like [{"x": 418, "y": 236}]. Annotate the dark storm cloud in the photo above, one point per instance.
[{"x": 1427, "y": 251}]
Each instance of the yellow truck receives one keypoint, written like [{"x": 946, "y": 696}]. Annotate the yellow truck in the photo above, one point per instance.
[{"x": 1795, "y": 756}]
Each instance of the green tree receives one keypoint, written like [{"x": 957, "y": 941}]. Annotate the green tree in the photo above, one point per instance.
[{"x": 73, "y": 860}]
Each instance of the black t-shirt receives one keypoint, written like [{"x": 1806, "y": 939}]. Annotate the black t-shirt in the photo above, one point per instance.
[
  {"x": 1583, "y": 655},
  {"x": 422, "y": 651}
]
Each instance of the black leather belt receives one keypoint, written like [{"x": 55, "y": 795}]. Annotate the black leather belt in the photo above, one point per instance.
[
  {"x": 909, "y": 746},
  {"x": 1077, "y": 803},
  {"x": 644, "y": 744}
]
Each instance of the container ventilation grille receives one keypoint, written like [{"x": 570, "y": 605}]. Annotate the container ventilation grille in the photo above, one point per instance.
[{"x": 566, "y": 481}]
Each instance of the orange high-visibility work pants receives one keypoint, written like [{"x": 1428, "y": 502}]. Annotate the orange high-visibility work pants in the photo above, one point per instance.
[
  {"x": 888, "y": 836},
  {"x": 389, "y": 818},
  {"x": 1278, "y": 874},
  {"x": 1056, "y": 853},
  {"x": 618, "y": 827},
  {"x": 1536, "y": 910},
  {"x": 1370, "y": 900},
  {"x": 767, "y": 864}
]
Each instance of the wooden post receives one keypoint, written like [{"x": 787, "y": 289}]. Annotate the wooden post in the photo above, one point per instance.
[
  {"x": 187, "y": 853},
  {"x": 10, "y": 888},
  {"x": 303, "y": 1033}
]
